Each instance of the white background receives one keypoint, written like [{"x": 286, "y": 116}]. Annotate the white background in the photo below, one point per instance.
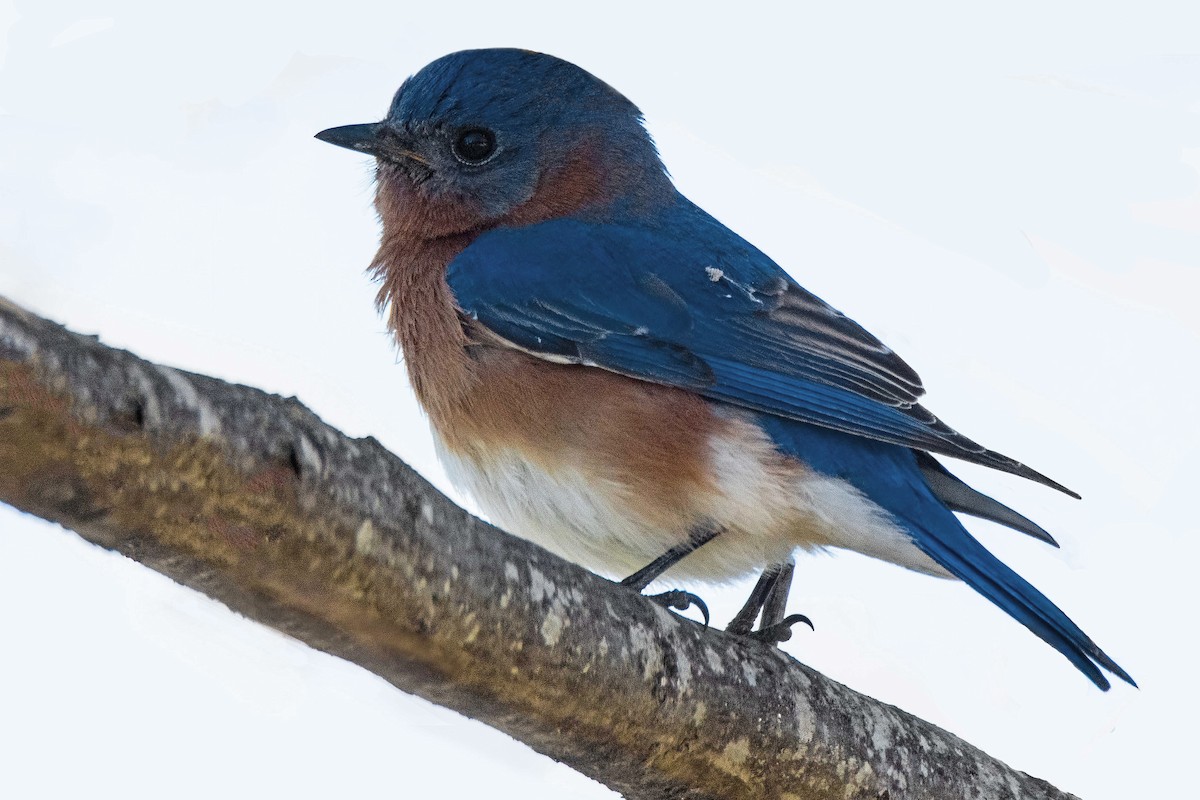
[{"x": 1008, "y": 198}]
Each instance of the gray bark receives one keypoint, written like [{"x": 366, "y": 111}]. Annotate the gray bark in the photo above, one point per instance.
[{"x": 253, "y": 500}]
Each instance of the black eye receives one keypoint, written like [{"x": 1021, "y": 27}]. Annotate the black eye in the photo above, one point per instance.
[{"x": 474, "y": 145}]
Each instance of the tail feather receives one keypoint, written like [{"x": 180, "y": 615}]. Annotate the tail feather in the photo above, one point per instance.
[
  {"x": 922, "y": 497},
  {"x": 958, "y": 496},
  {"x": 950, "y": 545}
]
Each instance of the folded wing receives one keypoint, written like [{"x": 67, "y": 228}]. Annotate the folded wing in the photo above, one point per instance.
[{"x": 701, "y": 309}]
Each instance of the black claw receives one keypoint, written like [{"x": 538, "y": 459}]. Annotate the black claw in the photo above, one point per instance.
[
  {"x": 781, "y": 631},
  {"x": 680, "y": 601}
]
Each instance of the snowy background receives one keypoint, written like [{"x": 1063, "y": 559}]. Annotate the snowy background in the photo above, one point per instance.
[{"x": 1011, "y": 199}]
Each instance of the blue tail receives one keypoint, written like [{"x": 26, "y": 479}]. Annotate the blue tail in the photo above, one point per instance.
[{"x": 891, "y": 477}]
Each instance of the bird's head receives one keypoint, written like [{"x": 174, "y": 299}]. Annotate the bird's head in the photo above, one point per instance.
[{"x": 482, "y": 138}]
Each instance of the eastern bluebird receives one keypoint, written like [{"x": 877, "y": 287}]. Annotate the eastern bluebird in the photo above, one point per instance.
[{"x": 614, "y": 374}]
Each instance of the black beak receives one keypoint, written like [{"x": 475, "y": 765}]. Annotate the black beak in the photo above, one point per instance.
[
  {"x": 363, "y": 138},
  {"x": 375, "y": 139}
]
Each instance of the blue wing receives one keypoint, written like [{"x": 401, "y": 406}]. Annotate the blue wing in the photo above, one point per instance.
[{"x": 684, "y": 301}]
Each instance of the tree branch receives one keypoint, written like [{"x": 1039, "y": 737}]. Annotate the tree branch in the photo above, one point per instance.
[{"x": 251, "y": 499}]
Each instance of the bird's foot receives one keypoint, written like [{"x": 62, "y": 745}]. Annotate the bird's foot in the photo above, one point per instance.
[
  {"x": 742, "y": 624},
  {"x": 676, "y": 598},
  {"x": 780, "y": 631},
  {"x": 769, "y": 596},
  {"x": 680, "y": 601}
]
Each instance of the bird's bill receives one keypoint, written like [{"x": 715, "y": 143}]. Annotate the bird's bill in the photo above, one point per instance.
[
  {"x": 372, "y": 138},
  {"x": 363, "y": 138}
]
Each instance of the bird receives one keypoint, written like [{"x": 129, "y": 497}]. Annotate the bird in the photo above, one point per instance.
[{"x": 615, "y": 375}]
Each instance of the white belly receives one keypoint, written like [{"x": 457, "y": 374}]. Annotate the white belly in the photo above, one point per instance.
[{"x": 764, "y": 513}]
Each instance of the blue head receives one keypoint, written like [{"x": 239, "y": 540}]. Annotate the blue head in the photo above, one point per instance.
[{"x": 481, "y": 138}]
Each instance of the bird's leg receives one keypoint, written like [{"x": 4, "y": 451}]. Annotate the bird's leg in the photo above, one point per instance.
[
  {"x": 769, "y": 596},
  {"x": 776, "y": 626},
  {"x": 675, "y": 598},
  {"x": 775, "y": 603},
  {"x": 644, "y": 576},
  {"x": 743, "y": 621}
]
